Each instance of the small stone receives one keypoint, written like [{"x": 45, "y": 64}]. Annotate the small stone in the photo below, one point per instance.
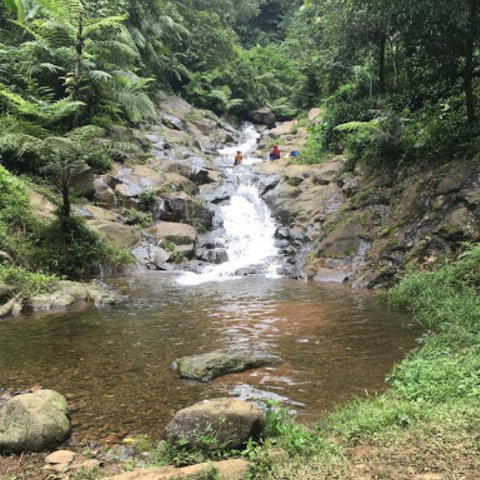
[
  {"x": 90, "y": 464},
  {"x": 60, "y": 457}
]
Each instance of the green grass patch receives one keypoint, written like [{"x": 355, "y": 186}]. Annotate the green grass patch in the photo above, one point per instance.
[{"x": 26, "y": 283}]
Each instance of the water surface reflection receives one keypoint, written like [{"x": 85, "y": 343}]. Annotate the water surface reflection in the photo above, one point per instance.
[{"x": 115, "y": 364}]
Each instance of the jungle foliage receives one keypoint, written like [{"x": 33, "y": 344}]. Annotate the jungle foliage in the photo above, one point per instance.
[{"x": 405, "y": 71}]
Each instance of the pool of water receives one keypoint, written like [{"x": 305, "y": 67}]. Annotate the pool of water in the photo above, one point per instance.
[{"x": 114, "y": 364}]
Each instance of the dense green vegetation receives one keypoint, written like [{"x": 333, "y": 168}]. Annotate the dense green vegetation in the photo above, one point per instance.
[{"x": 397, "y": 78}]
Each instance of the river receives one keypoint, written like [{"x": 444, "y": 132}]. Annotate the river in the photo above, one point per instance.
[{"x": 114, "y": 364}]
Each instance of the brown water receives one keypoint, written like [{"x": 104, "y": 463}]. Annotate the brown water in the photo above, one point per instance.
[{"x": 114, "y": 364}]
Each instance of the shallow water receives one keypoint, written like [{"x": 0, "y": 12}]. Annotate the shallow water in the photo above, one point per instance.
[{"x": 115, "y": 363}]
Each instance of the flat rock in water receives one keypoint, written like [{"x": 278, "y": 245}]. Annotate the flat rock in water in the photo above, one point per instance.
[{"x": 211, "y": 365}]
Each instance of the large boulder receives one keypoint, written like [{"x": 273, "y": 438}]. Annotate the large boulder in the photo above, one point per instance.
[
  {"x": 231, "y": 422},
  {"x": 207, "y": 366},
  {"x": 180, "y": 207},
  {"x": 176, "y": 233},
  {"x": 34, "y": 422},
  {"x": 120, "y": 235},
  {"x": 263, "y": 116}
]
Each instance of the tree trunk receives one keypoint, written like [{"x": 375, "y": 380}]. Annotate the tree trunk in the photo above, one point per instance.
[
  {"x": 469, "y": 61},
  {"x": 381, "y": 63},
  {"x": 66, "y": 206}
]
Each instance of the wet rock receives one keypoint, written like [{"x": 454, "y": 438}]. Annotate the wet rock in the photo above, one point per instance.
[
  {"x": 231, "y": 422},
  {"x": 211, "y": 365},
  {"x": 153, "y": 257},
  {"x": 330, "y": 275},
  {"x": 215, "y": 256},
  {"x": 235, "y": 469},
  {"x": 281, "y": 201},
  {"x": 251, "y": 270},
  {"x": 267, "y": 183},
  {"x": 67, "y": 294},
  {"x": 218, "y": 194},
  {"x": 34, "y": 422},
  {"x": 263, "y": 116}
]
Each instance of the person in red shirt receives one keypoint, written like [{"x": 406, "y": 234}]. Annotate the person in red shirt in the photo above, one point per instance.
[{"x": 275, "y": 153}]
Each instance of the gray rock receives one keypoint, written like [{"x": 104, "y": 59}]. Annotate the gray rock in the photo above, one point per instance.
[
  {"x": 211, "y": 365},
  {"x": 216, "y": 256},
  {"x": 83, "y": 179},
  {"x": 231, "y": 422},
  {"x": 34, "y": 422},
  {"x": 181, "y": 207},
  {"x": 219, "y": 194},
  {"x": 151, "y": 256},
  {"x": 263, "y": 116}
]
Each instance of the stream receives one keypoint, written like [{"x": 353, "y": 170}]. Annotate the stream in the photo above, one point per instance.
[{"x": 114, "y": 364}]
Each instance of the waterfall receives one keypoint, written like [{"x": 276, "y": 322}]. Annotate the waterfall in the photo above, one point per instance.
[{"x": 248, "y": 233}]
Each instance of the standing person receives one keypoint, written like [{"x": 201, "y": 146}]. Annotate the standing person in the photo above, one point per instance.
[
  {"x": 238, "y": 158},
  {"x": 275, "y": 153}
]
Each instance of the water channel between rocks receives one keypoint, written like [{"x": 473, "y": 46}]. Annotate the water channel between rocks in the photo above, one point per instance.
[{"x": 114, "y": 364}]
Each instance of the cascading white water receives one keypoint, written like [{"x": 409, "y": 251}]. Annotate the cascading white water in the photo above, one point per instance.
[{"x": 249, "y": 237}]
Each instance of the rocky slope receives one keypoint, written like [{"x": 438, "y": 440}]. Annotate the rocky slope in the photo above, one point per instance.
[
  {"x": 334, "y": 225},
  {"x": 346, "y": 226}
]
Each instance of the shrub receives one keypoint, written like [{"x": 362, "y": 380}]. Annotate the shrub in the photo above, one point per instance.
[
  {"x": 68, "y": 247},
  {"x": 16, "y": 219},
  {"x": 26, "y": 283}
]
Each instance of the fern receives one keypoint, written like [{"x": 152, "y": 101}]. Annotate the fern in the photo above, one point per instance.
[{"x": 359, "y": 127}]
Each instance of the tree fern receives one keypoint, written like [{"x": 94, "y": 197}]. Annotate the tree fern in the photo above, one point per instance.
[{"x": 359, "y": 127}]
